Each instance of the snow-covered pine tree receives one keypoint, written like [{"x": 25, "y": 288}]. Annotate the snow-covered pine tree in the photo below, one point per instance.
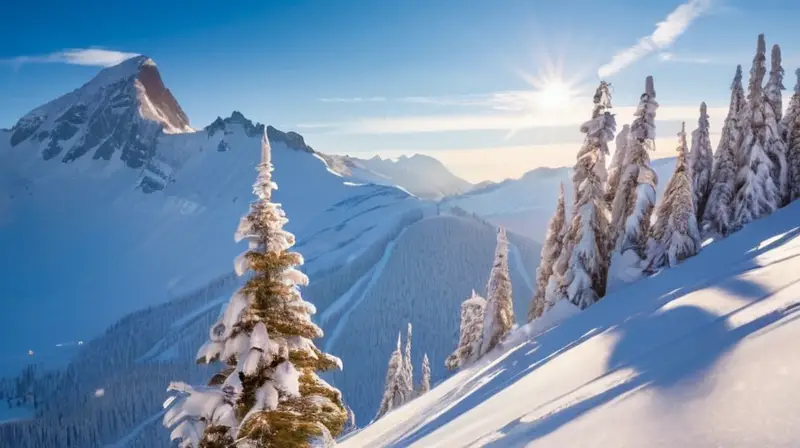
[
  {"x": 617, "y": 164},
  {"x": 756, "y": 192},
  {"x": 792, "y": 110},
  {"x": 470, "y": 333},
  {"x": 719, "y": 208},
  {"x": 675, "y": 232},
  {"x": 268, "y": 393},
  {"x": 582, "y": 267},
  {"x": 395, "y": 391},
  {"x": 636, "y": 195},
  {"x": 553, "y": 242},
  {"x": 408, "y": 367},
  {"x": 701, "y": 161},
  {"x": 793, "y": 141},
  {"x": 498, "y": 317},
  {"x": 425, "y": 383},
  {"x": 776, "y": 145}
]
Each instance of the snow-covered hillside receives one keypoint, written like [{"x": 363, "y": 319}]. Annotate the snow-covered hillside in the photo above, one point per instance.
[
  {"x": 420, "y": 175},
  {"x": 119, "y": 270},
  {"x": 526, "y": 204},
  {"x": 433, "y": 267},
  {"x": 696, "y": 356}
]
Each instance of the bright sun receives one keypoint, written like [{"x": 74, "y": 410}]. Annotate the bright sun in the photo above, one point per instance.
[{"x": 554, "y": 94}]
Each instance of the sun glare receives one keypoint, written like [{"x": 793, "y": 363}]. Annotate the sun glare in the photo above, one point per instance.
[{"x": 554, "y": 94}]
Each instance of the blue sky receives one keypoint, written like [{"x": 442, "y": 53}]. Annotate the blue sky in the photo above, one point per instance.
[{"x": 458, "y": 79}]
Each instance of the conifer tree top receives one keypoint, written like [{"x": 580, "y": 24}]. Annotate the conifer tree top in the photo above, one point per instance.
[
  {"x": 757, "y": 73},
  {"x": 797, "y": 84},
  {"x": 737, "y": 79},
  {"x": 777, "y": 70}
]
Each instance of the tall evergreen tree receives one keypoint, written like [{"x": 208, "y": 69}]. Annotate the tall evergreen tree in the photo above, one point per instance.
[
  {"x": 268, "y": 393},
  {"x": 553, "y": 242},
  {"x": 617, "y": 164},
  {"x": 582, "y": 267},
  {"x": 776, "y": 145},
  {"x": 408, "y": 367},
  {"x": 756, "y": 192},
  {"x": 793, "y": 110},
  {"x": 675, "y": 231},
  {"x": 719, "y": 208},
  {"x": 701, "y": 161},
  {"x": 498, "y": 317},
  {"x": 425, "y": 384},
  {"x": 636, "y": 196},
  {"x": 793, "y": 140},
  {"x": 395, "y": 391},
  {"x": 470, "y": 334}
]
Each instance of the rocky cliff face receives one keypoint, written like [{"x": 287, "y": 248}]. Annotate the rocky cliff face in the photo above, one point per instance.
[{"x": 121, "y": 111}]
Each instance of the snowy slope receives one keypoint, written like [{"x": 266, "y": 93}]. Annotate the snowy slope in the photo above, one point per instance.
[
  {"x": 432, "y": 268},
  {"x": 525, "y": 205},
  {"x": 89, "y": 240},
  {"x": 696, "y": 356},
  {"x": 119, "y": 271},
  {"x": 420, "y": 175}
]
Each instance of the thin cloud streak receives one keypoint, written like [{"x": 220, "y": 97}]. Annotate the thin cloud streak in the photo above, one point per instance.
[
  {"x": 666, "y": 32},
  {"x": 357, "y": 99},
  {"x": 96, "y": 57},
  {"x": 672, "y": 57}
]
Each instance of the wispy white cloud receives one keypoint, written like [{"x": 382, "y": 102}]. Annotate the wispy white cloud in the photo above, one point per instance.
[
  {"x": 76, "y": 56},
  {"x": 666, "y": 32},
  {"x": 357, "y": 99},
  {"x": 672, "y": 57}
]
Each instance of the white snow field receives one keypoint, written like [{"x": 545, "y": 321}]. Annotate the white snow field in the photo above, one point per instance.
[{"x": 702, "y": 355}]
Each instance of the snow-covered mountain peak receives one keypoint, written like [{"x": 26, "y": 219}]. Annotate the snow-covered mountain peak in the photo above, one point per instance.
[
  {"x": 237, "y": 122},
  {"x": 118, "y": 114},
  {"x": 421, "y": 175}
]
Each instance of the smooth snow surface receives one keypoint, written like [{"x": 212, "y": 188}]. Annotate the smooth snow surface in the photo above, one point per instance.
[{"x": 701, "y": 355}]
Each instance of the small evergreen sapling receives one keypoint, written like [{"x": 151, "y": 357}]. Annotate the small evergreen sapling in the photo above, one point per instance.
[
  {"x": 553, "y": 242},
  {"x": 425, "y": 383},
  {"x": 675, "y": 232},
  {"x": 617, "y": 164},
  {"x": 701, "y": 161},
  {"x": 498, "y": 317},
  {"x": 395, "y": 391},
  {"x": 719, "y": 208},
  {"x": 470, "y": 333},
  {"x": 636, "y": 196},
  {"x": 776, "y": 145},
  {"x": 756, "y": 192},
  {"x": 793, "y": 141}
]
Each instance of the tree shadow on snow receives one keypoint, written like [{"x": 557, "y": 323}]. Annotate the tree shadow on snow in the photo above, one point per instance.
[
  {"x": 663, "y": 362},
  {"x": 613, "y": 314},
  {"x": 495, "y": 378}
]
